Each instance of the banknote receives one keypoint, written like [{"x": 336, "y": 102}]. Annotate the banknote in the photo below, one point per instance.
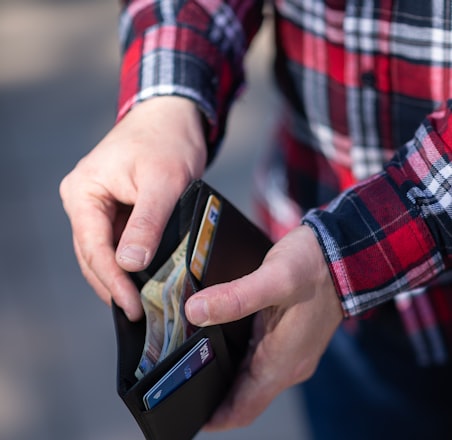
[
  {"x": 161, "y": 297},
  {"x": 171, "y": 318},
  {"x": 178, "y": 298}
]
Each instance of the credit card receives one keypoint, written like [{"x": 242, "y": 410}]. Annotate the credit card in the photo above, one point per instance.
[
  {"x": 197, "y": 358},
  {"x": 204, "y": 239}
]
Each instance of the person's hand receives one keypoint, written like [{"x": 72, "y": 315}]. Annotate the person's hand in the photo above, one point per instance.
[
  {"x": 119, "y": 197},
  {"x": 298, "y": 312}
]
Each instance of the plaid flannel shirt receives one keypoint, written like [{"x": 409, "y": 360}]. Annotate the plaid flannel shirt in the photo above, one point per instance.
[{"x": 365, "y": 135}]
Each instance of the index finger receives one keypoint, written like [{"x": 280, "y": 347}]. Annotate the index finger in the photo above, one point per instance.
[
  {"x": 234, "y": 300},
  {"x": 93, "y": 234}
]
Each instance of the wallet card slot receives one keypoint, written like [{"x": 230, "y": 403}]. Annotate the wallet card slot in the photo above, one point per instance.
[
  {"x": 193, "y": 402},
  {"x": 216, "y": 338},
  {"x": 189, "y": 407},
  {"x": 201, "y": 378}
]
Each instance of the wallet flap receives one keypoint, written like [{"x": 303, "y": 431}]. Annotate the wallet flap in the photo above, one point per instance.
[{"x": 238, "y": 247}]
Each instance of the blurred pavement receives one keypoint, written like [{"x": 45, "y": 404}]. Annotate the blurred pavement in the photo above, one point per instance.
[{"x": 58, "y": 85}]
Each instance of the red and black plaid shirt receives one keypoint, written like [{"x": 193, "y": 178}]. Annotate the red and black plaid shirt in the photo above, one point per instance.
[{"x": 365, "y": 134}]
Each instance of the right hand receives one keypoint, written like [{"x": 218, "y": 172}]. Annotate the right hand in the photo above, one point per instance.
[
  {"x": 119, "y": 196},
  {"x": 297, "y": 312}
]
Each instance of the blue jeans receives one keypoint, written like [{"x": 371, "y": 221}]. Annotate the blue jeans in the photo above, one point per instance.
[{"x": 368, "y": 386}]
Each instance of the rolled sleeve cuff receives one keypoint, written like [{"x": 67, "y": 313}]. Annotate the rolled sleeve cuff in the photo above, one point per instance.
[
  {"x": 193, "y": 50},
  {"x": 375, "y": 245},
  {"x": 169, "y": 73}
]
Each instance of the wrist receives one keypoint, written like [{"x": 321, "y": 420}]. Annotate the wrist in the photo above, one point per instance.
[
  {"x": 323, "y": 280},
  {"x": 179, "y": 117}
]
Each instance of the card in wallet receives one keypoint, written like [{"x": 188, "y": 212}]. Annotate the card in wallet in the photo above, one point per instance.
[{"x": 229, "y": 246}]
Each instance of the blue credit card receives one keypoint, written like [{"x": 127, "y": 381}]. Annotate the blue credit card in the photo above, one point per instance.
[{"x": 197, "y": 358}]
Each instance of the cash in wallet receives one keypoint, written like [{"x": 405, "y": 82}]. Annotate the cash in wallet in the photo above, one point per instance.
[{"x": 164, "y": 295}]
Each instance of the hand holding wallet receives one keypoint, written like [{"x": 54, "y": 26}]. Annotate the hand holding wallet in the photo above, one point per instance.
[{"x": 182, "y": 390}]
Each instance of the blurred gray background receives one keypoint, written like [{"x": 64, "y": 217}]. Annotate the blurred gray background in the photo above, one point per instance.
[{"x": 58, "y": 87}]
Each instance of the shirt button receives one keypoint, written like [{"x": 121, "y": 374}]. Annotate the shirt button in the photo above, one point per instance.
[{"x": 368, "y": 79}]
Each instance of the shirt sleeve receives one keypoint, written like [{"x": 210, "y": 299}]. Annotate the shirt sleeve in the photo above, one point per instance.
[
  {"x": 193, "y": 49},
  {"x": 393, "y": 231}
]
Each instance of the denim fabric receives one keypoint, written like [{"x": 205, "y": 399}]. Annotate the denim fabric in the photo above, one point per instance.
[{"x": 369, "y": 386}]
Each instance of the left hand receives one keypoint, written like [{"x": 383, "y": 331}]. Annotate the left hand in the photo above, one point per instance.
[
  {"x": 120, "y": 195},
  {"x": 298, "y": 312}
]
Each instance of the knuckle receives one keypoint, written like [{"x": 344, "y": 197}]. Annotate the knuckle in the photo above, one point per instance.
[
  {"x": 235, "y": 301},
  {"x": 143, "y": 222},
  {"x": 63, "y": 186},
  {"x": 89, "y": 258},
  {"x": 306, "y": 369},
  {"x": 85, "y": 272},
  {"x": 244, "y": 421}
]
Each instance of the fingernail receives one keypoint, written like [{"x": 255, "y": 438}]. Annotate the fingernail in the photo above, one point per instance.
[
  {"x": 198, "y": 311},
  {"x": 133, "y": 254}
]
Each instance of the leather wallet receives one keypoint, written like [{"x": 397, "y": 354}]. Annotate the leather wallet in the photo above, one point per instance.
[{"x": 237, "y": 248}]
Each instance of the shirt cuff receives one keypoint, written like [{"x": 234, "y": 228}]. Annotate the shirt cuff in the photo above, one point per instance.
[
  {"x": 376, "y": 244},
  {"x": 187, "y": 50}
]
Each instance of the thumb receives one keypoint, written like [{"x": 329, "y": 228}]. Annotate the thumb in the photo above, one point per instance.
[
  {"x": 144, "y": 229},
  {"x": 231, "y": 301}
]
